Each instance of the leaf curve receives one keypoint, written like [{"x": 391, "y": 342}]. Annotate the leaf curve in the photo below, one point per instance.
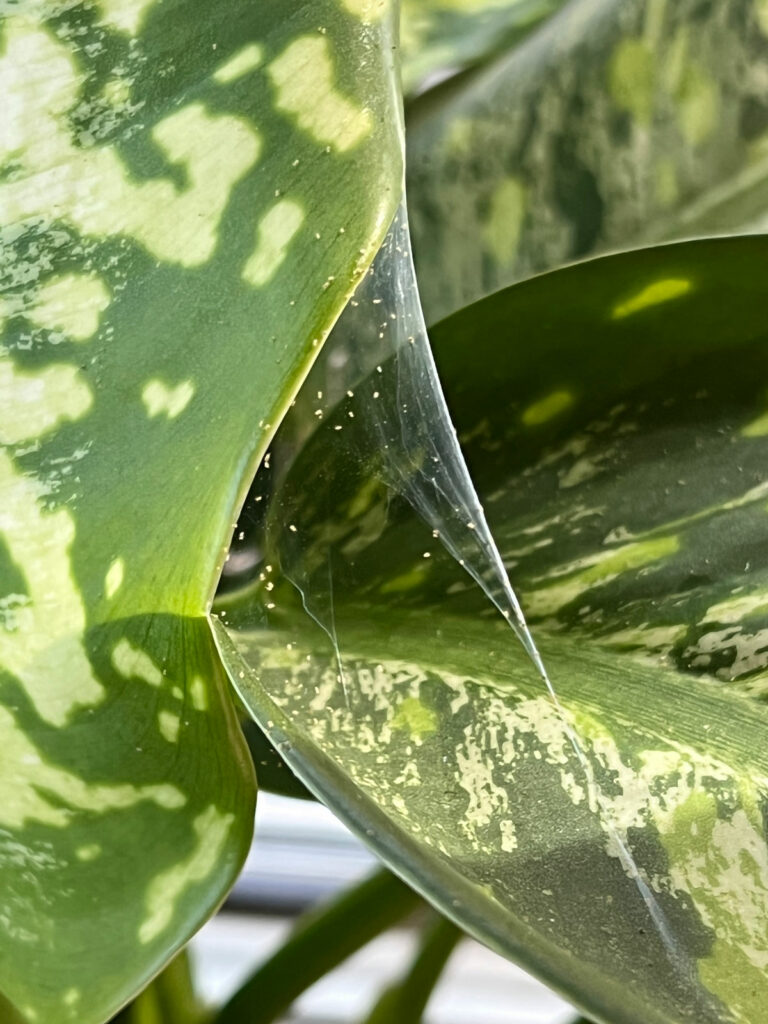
[
  {"x": 166, "y": 277},
  {"x": 429, "y": 733}
]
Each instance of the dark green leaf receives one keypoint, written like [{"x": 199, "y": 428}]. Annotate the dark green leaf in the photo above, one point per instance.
[{"x": 614, "y": 415}]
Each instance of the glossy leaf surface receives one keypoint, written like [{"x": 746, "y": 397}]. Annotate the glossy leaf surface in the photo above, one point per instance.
[
  {"x": 618, "y": 123},
  {"x": 614, "y": 415},
  {"x": 166, "y": 275}
]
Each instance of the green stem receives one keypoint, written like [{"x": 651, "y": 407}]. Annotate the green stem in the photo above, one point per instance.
[
  {"x": 405, "y": 1002},
  {"x": 320, "y": 942}
]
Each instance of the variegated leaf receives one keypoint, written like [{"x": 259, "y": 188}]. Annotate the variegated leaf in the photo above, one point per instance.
[
  {"x": 618, "y": 123},
  {"x": 445, "y": 36},
  {"x": 188, "y": 192},
  {"x": 612, "y": 839}
]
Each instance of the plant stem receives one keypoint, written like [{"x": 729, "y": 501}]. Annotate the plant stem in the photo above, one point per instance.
[
  {"x": 321, "y": 941},
  {"x": 405, "y": 1002}
]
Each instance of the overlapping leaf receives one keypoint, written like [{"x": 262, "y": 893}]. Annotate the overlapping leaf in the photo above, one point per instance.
[
  {"x": 443, "y": 36},
  {"x": 620, "y": 122},
  {"x": 614, "y": 415},
  {"x": 188, "y": 191}
]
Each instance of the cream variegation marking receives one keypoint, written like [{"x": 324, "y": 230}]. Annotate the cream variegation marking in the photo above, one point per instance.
[
  {"x": 211, "y": 829},
  {"x": 504, "y": 225},
  {"x": 169, "y": 725},
  {"x": 159, "y": 399},
  {"x": 89, "y": 851},
  {"x": 34, "y": 404},
  {"x": 303, "y": 77},
  {"x": 44, "y": 650},
  {"x": 601, "y": 568},
  {"x": 71, "y": 304},
  {"x": 37, "y": 791},
  {"x": 91, "y": 188},
  {"x": 758, "y": 427},
  {"x": 367, "y": 10},
  {"x": 705, "y": 811},
  {"x": 198, "y": 694},
  {"x": 242, "y": 63},
  {"x": 68, "y": 305},
  {"x": 114, "y": 577},
  {"x": 548, "y": 408},
  {"x": 125, "y": 15},
  {"x": 133, "y": 663},
  {"x": 277, "y": 229},
  {"x": 737, "y": 607},
  {"x": 652, "y": 295}
]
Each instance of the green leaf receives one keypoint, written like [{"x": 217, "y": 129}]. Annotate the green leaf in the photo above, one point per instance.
[
  {"x": 274, "y": 774},
  {"x": 618, "y": 123},
  {"x": 167, "y": 273},
  {"x": 170, "y": 999},
  {"x": 405, "y": 1001},
  {"x": 321, "y": 941},
  {"x": 445, "y": 36},
  {"x": 613, "y": 841}
]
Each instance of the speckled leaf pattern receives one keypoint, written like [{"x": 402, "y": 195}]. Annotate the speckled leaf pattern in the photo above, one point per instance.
[
  {"x": 445, "y": 36},
  {"x": 615, "y": 417},
  {"x": 188, "y": 192},
  {"x": 617, "y": 123}
]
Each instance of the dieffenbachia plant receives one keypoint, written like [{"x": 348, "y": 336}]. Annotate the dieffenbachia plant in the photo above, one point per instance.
[
  {"x": 188, "y": 194},
  {"x": 443, "y": 37},
  {"x": 615, "y": 418},
  {"x": 617, "y": 123}
]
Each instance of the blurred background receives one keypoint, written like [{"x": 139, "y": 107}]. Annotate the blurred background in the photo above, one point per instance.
[{"x": 302, "y": 855}]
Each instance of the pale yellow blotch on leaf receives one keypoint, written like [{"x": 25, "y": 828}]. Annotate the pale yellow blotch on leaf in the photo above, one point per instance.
[
  {"x": 503, "y": 227},
  {"x": 133, "y": 663},
  {"x": 43, "y": 648},
  {"x": 547, "y": 408},
  {"x": 761, "y": 13},
  {"x": 71, "y": 303},
  {"x": 652, "y": 295},
  {"x": 550, "y": 598},
  {"x": 117, "y": 92},
  {"x": 198, "y": 694},
  {"x": 88, "y": 852},
  {"x": 91, "y": 189},
  {"x": 277, "y": 229},
  {"x": 367, "y": 10},
  {"x": 44, "y": 793},
  {"x": 34, "y": 404},
  {"x": 242, "y": 63},
  {"x": 406, "y": 581},
  {"x": 169, "y": 724},
  {"x": 71, "y": 997},
  {"x": 125, "y": 15},
  {"x": 738, "y": 607},
  {"x": 303, "y": 77},
  {"x": 114, "y": 577},
  {"x": 415, "y": 717},
  {"x": 757, "y": 427},
  {"x": 632, "y": 79},
  {"x": 211, "y": 829},
  {"x": 159, "y": 399},
  {"x": 698, "y": 105}
]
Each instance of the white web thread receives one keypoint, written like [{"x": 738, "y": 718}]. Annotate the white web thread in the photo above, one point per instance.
[{"x": 419, "y": 434}]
